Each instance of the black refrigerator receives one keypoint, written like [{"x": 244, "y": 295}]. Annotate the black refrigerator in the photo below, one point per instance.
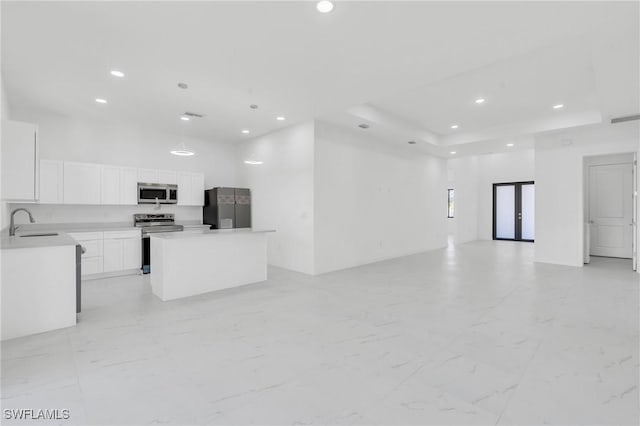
[{"x": 226, "y": 208}]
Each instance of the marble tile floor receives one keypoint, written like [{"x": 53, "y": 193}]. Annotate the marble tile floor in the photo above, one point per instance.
[{"x": 472, "y": 334}]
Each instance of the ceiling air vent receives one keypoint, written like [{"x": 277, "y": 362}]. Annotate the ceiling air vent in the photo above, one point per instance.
[
  {"x": 626, "y": 118},
  {"x": 192, "y": 115}
]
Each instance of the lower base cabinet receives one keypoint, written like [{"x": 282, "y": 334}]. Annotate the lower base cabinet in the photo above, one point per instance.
[{"x": 109, "y": 251}]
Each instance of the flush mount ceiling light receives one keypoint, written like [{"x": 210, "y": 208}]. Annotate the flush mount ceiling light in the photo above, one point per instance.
[
  {"x": 558, "y": 106},
  {"x": 253, "y": 106},
  {"x": 454, "y": 126},
  {"x": 252, "y": 162},
  {"x": 246, "y": 132},
  {"x": 101, "y": 101},
  {"x": 324, "y": 6},
  {"x": 452, "y": 152},
  {"x": 411, "y": 142},
  {"x": 509, "y": 145},
  {"x": 184, "y": 118},
  {"x": 480, "y": 101},
  {"x": 364, "y": 126},
  {"x": 280, "y": 118},
  {"x": 117, "y": 73},
  {"x": 183, "y": 86}
]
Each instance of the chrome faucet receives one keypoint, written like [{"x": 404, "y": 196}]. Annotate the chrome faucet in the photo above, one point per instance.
[{"x": 12, "y": 226}]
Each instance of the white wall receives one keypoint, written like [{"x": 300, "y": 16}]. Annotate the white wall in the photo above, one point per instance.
[
  {"x": 282, "y": 192},
  {"x": 464, "y": 179},
  {"x": 559, "y": 185},
  {"x": 373, "y": 201},
  {"x": 473, "y": 178},
  {"x": 5, "y": 115},
  {"x": 68, "y": 138}
]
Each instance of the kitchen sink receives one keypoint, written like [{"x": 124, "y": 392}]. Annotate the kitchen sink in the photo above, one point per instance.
[{"x": 48, "y": 234}]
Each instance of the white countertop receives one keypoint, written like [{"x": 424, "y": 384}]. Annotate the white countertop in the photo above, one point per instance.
[
  {"x": 18, "y": 241},
  {"x": 208, "y": 233}
]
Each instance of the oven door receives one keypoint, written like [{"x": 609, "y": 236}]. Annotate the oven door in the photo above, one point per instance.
[{"x": 150, "y": 194}]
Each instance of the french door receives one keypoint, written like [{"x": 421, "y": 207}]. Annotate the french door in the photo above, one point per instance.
[{"x": 514, "y": 211}]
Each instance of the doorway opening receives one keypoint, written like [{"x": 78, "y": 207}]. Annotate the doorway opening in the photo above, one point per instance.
[
  {"x": 514, "y": 211},
  {"x": 610, "y": 207}
]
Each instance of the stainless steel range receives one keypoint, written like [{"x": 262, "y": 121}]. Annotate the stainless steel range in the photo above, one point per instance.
[{"x": 149, "y": 224}]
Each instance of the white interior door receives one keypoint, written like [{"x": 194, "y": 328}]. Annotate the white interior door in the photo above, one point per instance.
[{"x": 610, "y": 210}]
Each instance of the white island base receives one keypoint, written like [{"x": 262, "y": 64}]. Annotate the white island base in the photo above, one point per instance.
[{"x": 187, "y": 264}]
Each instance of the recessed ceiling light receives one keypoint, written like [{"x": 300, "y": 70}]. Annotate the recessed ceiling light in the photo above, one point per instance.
[
  {"x": 117, "y": 73},
  {"x": 246, "y": 131},
  {"x": 280, "y": 118},
  {"x": 509, "y": 145},
  {"x": 480, "y": 101},
  {"x": 454, "y": 126},
  {"x": 253, "y": 106},
  {"x": 363, "y": 126},
  {"x": 411, "y": 142},
  {"x": 101, "y": 101},
  {"x": 452, "y": 152},
  {"x": 324, "y": 6},
  {"x": 252, "y": 162},
  {"x": 183, "y": 86},
  {"x": 558, "y": 106},
  {"x": 185, "y": 118}
]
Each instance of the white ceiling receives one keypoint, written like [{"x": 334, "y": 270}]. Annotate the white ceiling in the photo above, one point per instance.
[{"x": 414, "y": 68}]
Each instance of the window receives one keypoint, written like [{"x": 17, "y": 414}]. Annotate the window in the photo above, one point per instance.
[{"x": 450, "y": 203}]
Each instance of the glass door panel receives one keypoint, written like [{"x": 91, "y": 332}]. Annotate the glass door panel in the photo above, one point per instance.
[
  {"x": 505, "y": 210},
  {"x": 528, "y": 211}
]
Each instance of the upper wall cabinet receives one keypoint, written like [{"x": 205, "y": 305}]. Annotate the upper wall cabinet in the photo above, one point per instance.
[
  {"x": 20, "y": 161},
  {"x": 167, "y": 177},
  {"x": 190, "y": 189},
  {"x": 119, "y": 185},
  {"x": 51, "y": 178},
  {"x": 82, "y": 183},
  {"x": 148, "y": 175}
]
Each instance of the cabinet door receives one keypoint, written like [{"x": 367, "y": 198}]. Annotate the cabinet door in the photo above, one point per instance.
[
  {"x": 128, "y": 185},
  {"x": 197, "y": 189},
  {"x": 110, "y": 193},
  {"x": 184, "y": 189},
  {"x": 51, "y": 175},
  {"x": 91, "y": 265},
  {"x": 19, "y": 161},
  {"x": 167, "y": 176},
  {"x": 132, "y": 253},
  {"x": 112, "y": 255},
  {"x": 82, "y": 183},
  {"x": 148, "y": 175}
]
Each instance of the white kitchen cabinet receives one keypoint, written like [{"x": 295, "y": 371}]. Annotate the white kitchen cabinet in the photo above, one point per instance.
[
  {"x": 92, "y": 259},
  {"x": 119, "y": 185},
  {"x": 167, "y": 177},
  {"x": 128, "y": 185},
  {"x": 122, "y": 250},
  {"x": 132, "y": 253},
  {"x": 51, "y": 181},
  {"x": 190, "y": 189},
  {"x": 82, "y": 183},
  {"x": 197, "y": 189},
  {"x": 148, "y": 175},
  {"x": 20, "y": 162},
  {"x": 110, "y": 192}
]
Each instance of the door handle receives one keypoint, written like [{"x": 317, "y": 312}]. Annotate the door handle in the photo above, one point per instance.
[{"x": 591, "y": 222}]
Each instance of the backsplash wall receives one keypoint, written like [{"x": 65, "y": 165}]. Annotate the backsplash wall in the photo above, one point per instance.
[{"x": 50, "y": 213}]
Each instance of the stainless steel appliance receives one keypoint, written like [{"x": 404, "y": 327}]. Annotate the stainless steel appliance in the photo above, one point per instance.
[
  {"x": 157, "y": 193},
  {"x": 150, "y": 223},
  {"x": 226, "y": 208}
]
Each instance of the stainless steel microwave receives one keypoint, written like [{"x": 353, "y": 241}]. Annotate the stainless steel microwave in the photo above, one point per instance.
[{"x": 161, "y": 193}]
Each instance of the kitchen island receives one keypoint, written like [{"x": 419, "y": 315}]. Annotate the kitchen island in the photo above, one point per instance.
[{"x": 187, "y": 264}]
